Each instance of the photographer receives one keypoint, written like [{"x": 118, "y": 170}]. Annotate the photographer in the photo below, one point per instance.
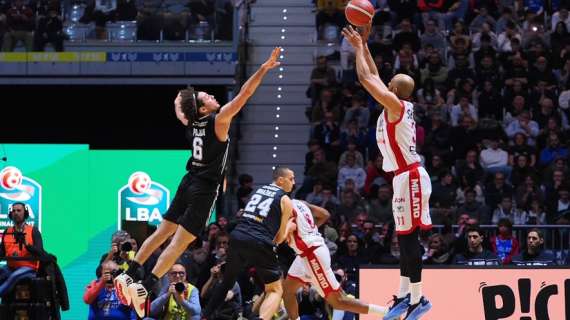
[
  {"x": 123, "y": 249},
  {"x": 232, "y": 303},
  {"x": 178, "y": 300},
  {"x": 18, "y": 241},
  {"x": 102, "y": 299}
]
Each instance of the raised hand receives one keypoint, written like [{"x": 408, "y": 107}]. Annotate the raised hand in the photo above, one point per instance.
[
  {"x": 353, "y": 37},
  {"x": 272, "y": 61}
]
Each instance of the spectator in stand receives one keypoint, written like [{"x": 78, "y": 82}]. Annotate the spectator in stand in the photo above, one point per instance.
[
  {"x": 429, "y": 98},
  {"x": 562, "y": 205},
  {"x": 495, "y": 159},
  {"x": 316, "y": 196},
  {"x": 326, "y": 103},
  {"x": 432, "y": 36},
  {"x": 200, "y": 11},
  {"x": 504, "y": 41},
  {"x": 534, "y": 253},
  {"x": 561, "y": 16},
  {"x": 523, "y": 124},
  {"x": 406, "y": 34},
  {"x": 349, "y": 287},
  {"x": 521, "y": 148},
  {"x": 443, "y": 194},
  {"x": 102, "y": 299},
  {"x": 351, "y": 150},
  {"x": 314, "y": 146},
  {"x": 553, "y": 150},
  {"x": 460, "y": 243},
  {"x": 232, "y": 305},
  {"x": 534, "y": 213},
  {"x": 358, "y": 111},
  {"x": 353, "y": 257},
  {"x": 485, "y": 34},
  {"x": 435, "y": 70},
  {"x": 101, "y": 12},
  {"x": 506, "y": 210},
  {"x": 323, "y": 170},
  {"x": 482, "y": 18},
  {"x": 351, "y": 171},
  {"x": 375, "y": 175},
  {"x": 521, "y": 170},
  {"x": 179, "y": 299},
  {"x": 244, "y": 190},
  {"x": 463, "y": 108},
  {"x": 381, "y": 206},
  {"x": 355, "y": 134},
  {"x": 149, "y": 20},
  {"x": 473, "y": 208},
  {"x": 438, "y": 138},
  {"x": 438, "y": 251},
  {"x": 49, "y": 30},
  {"x": 490, "y": 102},
  {"x": 527, "y": 191},
  {"x": 436, "y": 168},
  {"x": 504, "y": 244},
  {"x": 328, "y": 135},
  {"x": 496, "y": 190},
  {"x": 177, "y": 16},
  {"x": 322, "y": 76},
  {"x": 506, "y": 17},
  {"x": 329, "y": 12},
  {"x": 476, "y": 255},
  {"x": 547, "y": 112},
  {"x": 20, "y": 25},
  {"x": 470, "y": 167}
]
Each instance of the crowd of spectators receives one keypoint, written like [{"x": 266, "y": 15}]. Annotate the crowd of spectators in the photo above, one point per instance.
[{"x": 35, "y": 23}]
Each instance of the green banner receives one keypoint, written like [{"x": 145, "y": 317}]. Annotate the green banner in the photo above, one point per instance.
[{"x": 78, "y": 198}]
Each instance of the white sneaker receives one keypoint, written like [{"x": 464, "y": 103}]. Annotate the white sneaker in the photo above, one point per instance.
[
  {"x": 139, "y": 299},
  {"x": 122, "y": 282}
]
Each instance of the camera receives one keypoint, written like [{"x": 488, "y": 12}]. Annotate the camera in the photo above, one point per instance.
[
  {"x": 126, "y": 246},
  {"x": 179, "y": 287}
]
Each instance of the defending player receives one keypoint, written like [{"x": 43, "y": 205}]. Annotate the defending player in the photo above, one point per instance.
[{"x": 207, "y": 130}]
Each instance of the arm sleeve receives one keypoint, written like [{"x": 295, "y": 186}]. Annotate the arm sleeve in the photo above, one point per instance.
[
  {"x": 157, "y": 305},
  {"x": 37, "y": 238},
  {"x": 92, "y": 291},
  {"x": 192, "y": 305}
]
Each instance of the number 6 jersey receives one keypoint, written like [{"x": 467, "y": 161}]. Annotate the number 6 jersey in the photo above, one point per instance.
[
  {"x": 209, "y": 154},
  {"x": 261, "y": 217}
]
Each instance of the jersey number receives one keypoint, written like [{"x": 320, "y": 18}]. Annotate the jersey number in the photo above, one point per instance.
[
  {"x": 197, "y": 144},
  {"x": 263, "y": 207}
]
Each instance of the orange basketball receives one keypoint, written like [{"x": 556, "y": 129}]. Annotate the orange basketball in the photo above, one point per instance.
[{"x": 359, "y": 12}]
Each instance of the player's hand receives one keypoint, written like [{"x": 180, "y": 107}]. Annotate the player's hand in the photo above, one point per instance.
[
  {"x": 352, "y": 37},
  {"x": 365, "y": 32},
  {"x": 272, "y": 61}
]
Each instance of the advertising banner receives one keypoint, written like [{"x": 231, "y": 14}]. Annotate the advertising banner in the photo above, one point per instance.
[{"x": 479, "y": 294}]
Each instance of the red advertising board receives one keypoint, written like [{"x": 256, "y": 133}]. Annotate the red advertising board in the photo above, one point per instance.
[{"x": 477, "y": 294}]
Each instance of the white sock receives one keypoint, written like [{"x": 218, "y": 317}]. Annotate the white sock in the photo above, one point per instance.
[
  {"x": 404, "y": 286},
  {"x": 416, "y": 292},
  {"x": 377, "y": 310}
]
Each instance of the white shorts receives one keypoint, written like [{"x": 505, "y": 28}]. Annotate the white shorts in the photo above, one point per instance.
[
  {"x": 314, "y": 267},
  {"x": 410, "y": 204}
]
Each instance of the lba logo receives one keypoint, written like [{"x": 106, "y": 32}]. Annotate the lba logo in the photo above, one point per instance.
[
  {"x": 143, "y": 200},
  {"x": 14, "y": 187}
]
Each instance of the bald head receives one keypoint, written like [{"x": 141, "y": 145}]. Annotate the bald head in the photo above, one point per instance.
[{"x": 402, "y": 85}]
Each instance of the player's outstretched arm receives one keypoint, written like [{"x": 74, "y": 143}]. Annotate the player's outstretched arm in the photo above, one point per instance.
[
  {"x": 321, "y": 215},
  {"x": 286, "y": 214},
  {"x": 371, "y": 82},
  {"x": 365, "y": 33},
  {"x": 228, "y": 111}
]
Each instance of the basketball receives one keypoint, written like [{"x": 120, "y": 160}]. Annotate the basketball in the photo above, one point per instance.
[{"x": 359, "y": 12}]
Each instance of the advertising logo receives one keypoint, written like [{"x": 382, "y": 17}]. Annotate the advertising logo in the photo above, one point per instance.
[
  {"x": 15, "y": 187},
  {"x": 142, "y": 200}
]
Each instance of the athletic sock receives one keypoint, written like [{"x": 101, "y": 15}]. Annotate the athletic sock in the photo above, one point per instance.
[
  {"x": 150, "y": 282},
  {"x": 416, "y": 292},
  {"x": 134, "y": 271},
  {"x": 404, "y": 287},
  {"x": 377, "y": 310}
]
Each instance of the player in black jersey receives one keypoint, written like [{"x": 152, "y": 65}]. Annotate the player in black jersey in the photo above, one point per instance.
[
  {"x": 265, "y": 222},
  {"x": 207, "y": 129}
]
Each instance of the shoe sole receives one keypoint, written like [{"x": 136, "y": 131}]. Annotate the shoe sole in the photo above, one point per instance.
[
  {"x": 121, "y": 294},
  {"x": 427, "y": 308}
]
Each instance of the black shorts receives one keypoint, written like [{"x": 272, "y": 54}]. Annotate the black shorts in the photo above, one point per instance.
[
  {"x": 246, "y": 251},
  {"x": 192, "y": 204}
]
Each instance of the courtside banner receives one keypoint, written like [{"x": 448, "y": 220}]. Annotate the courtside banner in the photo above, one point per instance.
[{"x": 479, "y": 294}]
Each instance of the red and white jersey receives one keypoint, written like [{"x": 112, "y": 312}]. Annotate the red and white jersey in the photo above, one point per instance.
[
  {"x": 397, "y": 140},
  {"x": 307, "y": 234}
]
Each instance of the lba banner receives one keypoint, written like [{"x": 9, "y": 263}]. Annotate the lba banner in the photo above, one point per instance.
[{"x": 479, "y": 294}]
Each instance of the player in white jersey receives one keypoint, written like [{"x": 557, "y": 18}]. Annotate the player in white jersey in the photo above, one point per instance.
[
  {"x": 396, "y": 135},
  {"x": 313, "y": 265}
]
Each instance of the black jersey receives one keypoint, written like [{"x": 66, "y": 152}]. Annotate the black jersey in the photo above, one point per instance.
[
  {"x": 209, "y": 154},
  {"x": 261, "y": 218}
]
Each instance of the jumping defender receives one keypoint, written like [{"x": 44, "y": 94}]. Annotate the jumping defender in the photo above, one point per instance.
[{"x": 207, "y": 131}]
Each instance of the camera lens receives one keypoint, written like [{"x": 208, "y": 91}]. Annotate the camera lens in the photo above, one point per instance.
[
  {"x": 126, "y": 246},
  {"x": 179, "y": 287}
]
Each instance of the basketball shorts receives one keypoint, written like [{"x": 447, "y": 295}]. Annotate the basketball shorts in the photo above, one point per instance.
[
  {"x": 410, "y": 204},
  {"x": 193, "y": 204},
  {"x": 314, "y": 267}
]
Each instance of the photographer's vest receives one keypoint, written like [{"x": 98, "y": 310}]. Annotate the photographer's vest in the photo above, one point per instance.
[
  {"x": 14, "y": 249},
  {"x": 175, "y": 312}
]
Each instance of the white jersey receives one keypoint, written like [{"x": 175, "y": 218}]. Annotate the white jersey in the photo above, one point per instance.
[
  {"x": 397, "y": 140},
  {"x": 307, "y": 234}
]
